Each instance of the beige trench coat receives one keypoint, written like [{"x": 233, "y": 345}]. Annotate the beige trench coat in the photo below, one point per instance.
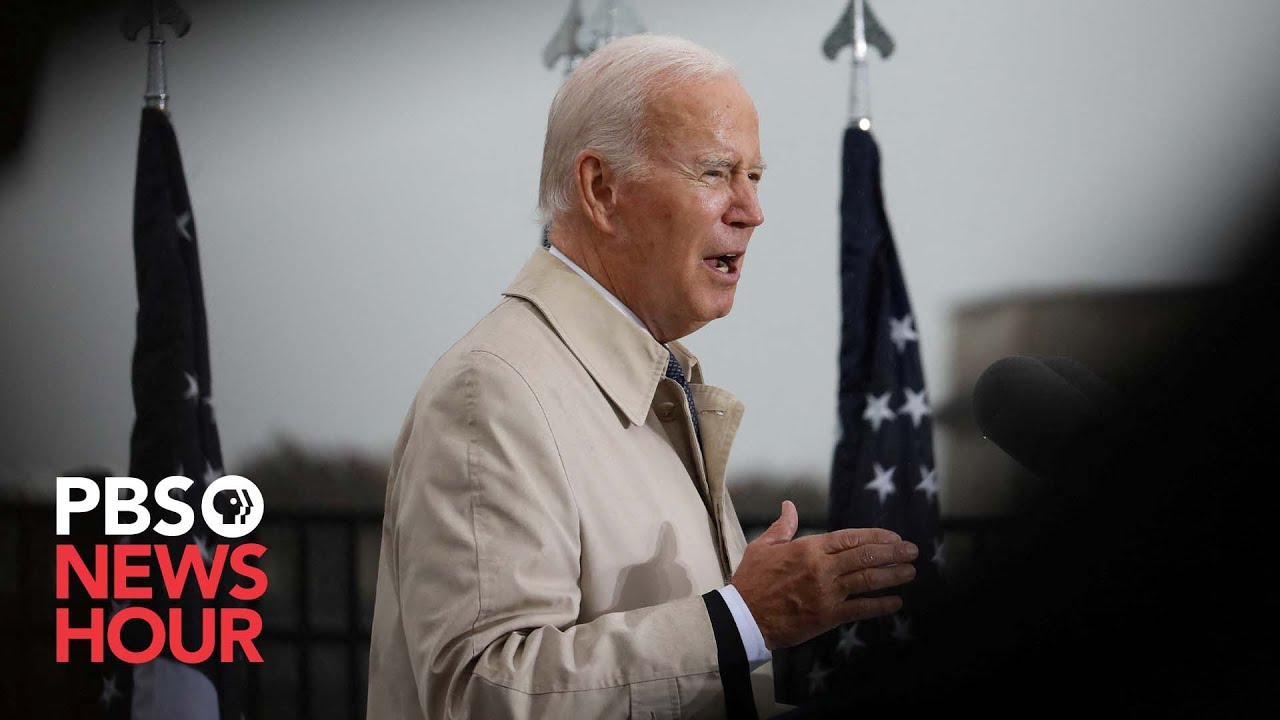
[{"x": 550, "y": 527}]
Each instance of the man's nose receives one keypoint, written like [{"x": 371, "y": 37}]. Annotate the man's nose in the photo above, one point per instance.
[{"x": 745, "y": 211}]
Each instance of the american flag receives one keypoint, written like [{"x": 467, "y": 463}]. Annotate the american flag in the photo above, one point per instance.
[
  {"x": 883, "y": 473},
  {"x": 173, "y": 434}
]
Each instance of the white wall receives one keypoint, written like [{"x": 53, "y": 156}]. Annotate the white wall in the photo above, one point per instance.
[{"x": 364, "y": 176}]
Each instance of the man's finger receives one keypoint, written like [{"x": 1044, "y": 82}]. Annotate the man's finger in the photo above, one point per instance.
[
  {"x": 841, "y": 540},
  {"x": 865, "y": 581},
  {"x": 782, "y": 529},
  {"x": 865, "y": 608},
  {"x": 868, "y": 556}
]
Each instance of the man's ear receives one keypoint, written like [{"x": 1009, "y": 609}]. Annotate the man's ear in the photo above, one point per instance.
[{"x": 597, "y": 189}]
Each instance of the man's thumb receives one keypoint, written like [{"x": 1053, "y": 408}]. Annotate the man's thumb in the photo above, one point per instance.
[{"x": 784, "y": 528}]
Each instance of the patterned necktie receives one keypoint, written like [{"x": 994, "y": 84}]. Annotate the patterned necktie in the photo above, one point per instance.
[{"x": 675, "y": 372}]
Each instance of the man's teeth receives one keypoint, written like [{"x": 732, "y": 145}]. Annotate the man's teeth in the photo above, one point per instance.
[{"x": 722, "y": 266}]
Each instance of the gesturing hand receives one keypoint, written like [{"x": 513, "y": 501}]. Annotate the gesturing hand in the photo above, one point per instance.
[{"x": 798, "y": 589}]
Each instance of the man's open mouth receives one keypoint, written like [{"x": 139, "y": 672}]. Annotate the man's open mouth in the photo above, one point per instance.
[{"x": 725, "y": 264}]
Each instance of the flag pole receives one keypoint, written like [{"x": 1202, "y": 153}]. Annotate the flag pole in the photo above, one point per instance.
[
  {"x": 155, "y": 97},
  {"x": 860, "y": 82},
  {"x": 152, "y": 14}
]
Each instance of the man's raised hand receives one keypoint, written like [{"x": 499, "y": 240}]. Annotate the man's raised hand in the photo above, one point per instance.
[{"x": 797, "y": 589}]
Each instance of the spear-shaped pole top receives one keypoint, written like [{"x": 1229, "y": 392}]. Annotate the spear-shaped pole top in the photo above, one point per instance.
[
  {"x": 578, "y": 36},
  {"x": 153, "y": 14},
  {"x": 859, "y": 28}
]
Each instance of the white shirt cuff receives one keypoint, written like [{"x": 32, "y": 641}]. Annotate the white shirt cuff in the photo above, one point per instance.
[{"x": 752, "y": 641}]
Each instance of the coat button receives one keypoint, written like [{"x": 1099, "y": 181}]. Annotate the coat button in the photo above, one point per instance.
[{"x": 666, "y": 411}]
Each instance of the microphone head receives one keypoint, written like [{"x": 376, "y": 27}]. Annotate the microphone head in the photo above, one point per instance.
[
  {"x": 1083, "y": 379},
  {"x": 1044, "y": 413}
]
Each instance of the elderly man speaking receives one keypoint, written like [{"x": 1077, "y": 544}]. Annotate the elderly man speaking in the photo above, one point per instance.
[{"x": 558, "y": 541}]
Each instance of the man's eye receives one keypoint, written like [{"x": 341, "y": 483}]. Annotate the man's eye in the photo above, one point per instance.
[
  {"x": 713, "y": 173},
  {"x": 754, "y": 177}
]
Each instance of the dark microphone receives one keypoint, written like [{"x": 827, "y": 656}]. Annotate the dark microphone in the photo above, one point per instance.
[{"x": 1048, "y": 414}]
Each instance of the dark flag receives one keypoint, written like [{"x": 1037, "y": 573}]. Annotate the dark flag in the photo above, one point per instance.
[
  {"x": 883, "y": 473},
  {"x": 173, "y": 434}
]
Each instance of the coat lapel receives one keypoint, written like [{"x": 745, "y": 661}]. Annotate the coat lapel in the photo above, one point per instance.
[{"x": 623, "y": 359}]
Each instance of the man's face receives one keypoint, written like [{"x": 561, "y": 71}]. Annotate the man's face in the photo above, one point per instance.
[{"x": 682, "y": 225}]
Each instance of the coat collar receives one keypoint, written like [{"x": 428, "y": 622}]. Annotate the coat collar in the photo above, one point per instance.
[{"x": 623, "y": 358}]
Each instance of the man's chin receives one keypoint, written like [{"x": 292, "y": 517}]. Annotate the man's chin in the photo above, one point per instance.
[
  {"x": 721, "y": 305},
  {"x": 712, "y": 314},
  {"x": 705, "y": 311}
]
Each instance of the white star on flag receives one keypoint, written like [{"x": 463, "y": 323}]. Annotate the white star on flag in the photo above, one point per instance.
[
  {"x": 818, "y": 677},
  {"x": 901, "y": 332},
  {"x": 901, "y": 629},
  {"x": 929, "y": 481},
  {"x": 878, "y": 410},
  {"x": 849, "y": 640},
  {"x": 109, "y": 691},
  {"x": 916, "y": 406},
  {"x": 939, "y": 556},
  {"x": 883, "y": 483},
  {"x": 193, "y": 387},
  {"x": 184, "y": 222},
  {"x": 203, "y": 544}
]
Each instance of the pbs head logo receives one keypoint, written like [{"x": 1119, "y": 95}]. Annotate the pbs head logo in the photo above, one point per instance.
[{"x": 232, "y": 506}]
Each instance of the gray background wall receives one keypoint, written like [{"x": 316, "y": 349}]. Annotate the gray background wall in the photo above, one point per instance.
[{"x": 364, "y": 177}]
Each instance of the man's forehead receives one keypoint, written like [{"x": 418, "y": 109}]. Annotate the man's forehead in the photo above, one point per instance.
[
  {"x": 712, "y": 120},
  {"x": 699, "y": 101}
]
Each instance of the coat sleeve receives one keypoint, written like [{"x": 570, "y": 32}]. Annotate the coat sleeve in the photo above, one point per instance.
[{"x": 484, "y": 552}]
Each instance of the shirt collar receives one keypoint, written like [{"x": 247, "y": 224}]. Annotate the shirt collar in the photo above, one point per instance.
[{"x": 613, "y": 300}]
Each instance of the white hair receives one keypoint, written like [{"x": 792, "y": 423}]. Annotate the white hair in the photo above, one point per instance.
[{"x": 603, "y": 105}]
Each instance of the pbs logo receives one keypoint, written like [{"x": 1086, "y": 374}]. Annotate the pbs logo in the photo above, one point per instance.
[{"x": 236, "y": 507}]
